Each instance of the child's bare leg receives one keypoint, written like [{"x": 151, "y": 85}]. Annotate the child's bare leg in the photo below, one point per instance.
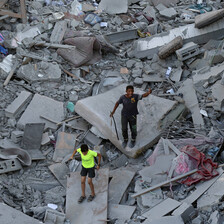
[
  {"x": 83, "y": 185},
  {"x": 90, "y": 182}
]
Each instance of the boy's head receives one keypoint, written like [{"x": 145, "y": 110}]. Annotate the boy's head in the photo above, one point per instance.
[
  {"x": 84, "y": 149},
  {"x": 129, "y": 91}
]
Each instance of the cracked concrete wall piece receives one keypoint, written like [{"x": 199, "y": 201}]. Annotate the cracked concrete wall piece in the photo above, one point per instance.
[
  {"x": 191, "y": 102},
  {"x": 152, "y": 110},
  {"x": 114, "y": 7},
  {"x": 58, "y": 32},
  {"x": 42, "y": 106},
  {"x": 39, "y": 72},
  {"x": 11, "y": 215},
  {"x": 147, "y": 47},
  {"x": 205, "y": 19}
]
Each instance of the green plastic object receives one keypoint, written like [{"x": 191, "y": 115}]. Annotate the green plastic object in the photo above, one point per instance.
[{"x": 71, "y": 107}]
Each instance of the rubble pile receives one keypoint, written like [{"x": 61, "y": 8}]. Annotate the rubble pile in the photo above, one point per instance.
[{"x": 62, "y": 72}]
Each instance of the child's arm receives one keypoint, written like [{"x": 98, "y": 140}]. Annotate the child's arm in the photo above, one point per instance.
[
  {"x": 73, "y": 154},
  {"x": 98, "y": 165},
  {"x": 147, "y": 93},
  {"x": 115, "y": 108}
]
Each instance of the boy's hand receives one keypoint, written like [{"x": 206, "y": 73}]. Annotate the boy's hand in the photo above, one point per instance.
[
  {"x": 98, "y": 167},
  {"x": 150, "y": 91},
  {"x": 111, "y": 114},
  {"x": 71, "y": 158}
]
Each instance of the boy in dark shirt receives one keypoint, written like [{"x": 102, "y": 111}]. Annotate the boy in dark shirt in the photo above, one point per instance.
[{"x": 129, "y": 113}]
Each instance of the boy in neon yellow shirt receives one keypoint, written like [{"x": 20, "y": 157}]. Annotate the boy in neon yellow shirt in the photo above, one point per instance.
[{"x": 87, "y": 157}]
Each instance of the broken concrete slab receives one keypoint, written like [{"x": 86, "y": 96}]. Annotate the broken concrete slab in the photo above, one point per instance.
[
  {"x": 122, "y": 36},
  {"x": 39, "y": 72},
  {"x": 208, "y": 74},
  {"x": 119, "y": 184},
  {"x": 97, "y": 209},
  {"x": 170, "y": 47},
  {"x": 64, "y": 146},
  {"x": 165, "y": 220},
  {"x": 18, "y": 105},
  {"x": 96, "y": 110},
  {"x": 208, "y": 18},
  {"x": 167, "y": 3},
  {"x": 60, "y": 171},
  {"x": 117, "y": 7},
  {"x": 58, "y": 32},
  {"x": 191, "y": 102},
  {"x": 92, "y": 139},
  {"x": 176, "y": 76},
  {"x": 212, "y": 195},
  {"x": 149, "y": 46},
  {"x": 121, "y": 211},
  {"x": 161, "y": 209},
  {"x": 50, "y": 108},
  {"x": 168, "y": 13},
  {"x": 11, "y": 215},
  {"x": 189, "y": 50}
]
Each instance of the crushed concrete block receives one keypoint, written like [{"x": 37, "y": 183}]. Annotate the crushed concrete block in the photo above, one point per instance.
[
  {"x": 186, "y": 211},
  {"x": 121, "y": 211},
  {"x": 39, "y": 72},
  {"x": 120, "y": 161},
  {"x": 189, "y": 50},
  {"x": 18, "y": 105},
  {"x": 53, "y": 216},
  {"x": 166, "y": 220},
  {"x": 208, "y": 18},
  {"x": 50, "y": 108},
  {"x": 11, "y": 215},
  {"x": 9, "y": 165},
  {"x": 64, "y": 146},
  {"x": 92, "y": 139},
  {"x": 149, "y": 46},
  {"x": 212, "y": 195},
  {"x": 16, "y": 136},
  {"x": 191, "y": 102},
  {"x": 58, "y": 32},
  {"x": 96, "y": 110},
  {"x": 117, "y": 7},
  {"x": 161, "y": 209},
  {"x": 170, "y": 47},
  {"x": 168, "y": 13},
  {"x": 119, "y": 184}
]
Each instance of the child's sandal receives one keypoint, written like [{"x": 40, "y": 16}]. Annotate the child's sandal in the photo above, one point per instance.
[
  {"x": 81, "y": 199},
  {"x": 90, "y": 198}
]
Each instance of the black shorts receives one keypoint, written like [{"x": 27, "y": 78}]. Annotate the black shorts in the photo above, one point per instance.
[{"x": 89, "y": 171}]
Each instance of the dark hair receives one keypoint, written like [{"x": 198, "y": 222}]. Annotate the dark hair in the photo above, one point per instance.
[
  {"x": 130, "y": 87},
  {"x": 84, "y": 148}
]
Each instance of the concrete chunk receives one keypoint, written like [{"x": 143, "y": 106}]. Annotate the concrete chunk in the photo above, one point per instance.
[
  {"x": 208, "y": 18},
  {"x": 149, "y": 46},
  {"x": 189, "y": 50},
  {"x": 49, "y": 108},
  {"x": 53, "y": 216},
  {"x": 122, "y": 36},
  {"x": 18, "y": 105},
  {"x": 9, "y": 166},
  {"x": 116, "y": 8},
  {"x": 58, "y": 32},
  {"x": 168, "y": 13},
  {"x": 120, "y": 211},
  {"x": 166, "y": 220},
  {"x": 96, "y": 110},
  {"x": 170, "y": 47}
]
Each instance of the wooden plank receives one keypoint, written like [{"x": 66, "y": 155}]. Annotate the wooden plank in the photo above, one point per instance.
[
  {"x": 94, "y": 212},
  {"x": 119, "y": 184},
  {"x": 9, "y": 13},
  {"x": 23, "y": 11},
  {"x": 161, "y": 209}
]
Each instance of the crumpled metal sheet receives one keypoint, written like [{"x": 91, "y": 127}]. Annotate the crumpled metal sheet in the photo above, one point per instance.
[
  {"x": 20, "y": 154},
  {"x": 87, "y": 51}
]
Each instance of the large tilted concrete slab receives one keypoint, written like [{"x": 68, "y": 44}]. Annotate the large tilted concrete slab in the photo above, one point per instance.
[
  {"x": 149, "y": 46},
  {"x": 10, "y": 215},
  {"x": 94, "y": 212},
  {"x": 42, "y": 106},
  {"x": 152, "y": 110}
]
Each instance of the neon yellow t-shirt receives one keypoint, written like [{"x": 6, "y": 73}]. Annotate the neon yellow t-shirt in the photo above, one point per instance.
[{"x": 88, "y": 159}]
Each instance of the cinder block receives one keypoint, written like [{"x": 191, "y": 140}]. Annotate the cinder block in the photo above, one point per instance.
[
  {"x": 16, "y": 136},
  {"x": 9, "y": 165},
  {"x": 52, "y": 216},
  {"x": 189, "y": 50},
  {"x": 18, "y": 105}
]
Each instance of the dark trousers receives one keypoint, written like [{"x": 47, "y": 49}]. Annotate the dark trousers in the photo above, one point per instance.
[{"x": 132, "y": 121}]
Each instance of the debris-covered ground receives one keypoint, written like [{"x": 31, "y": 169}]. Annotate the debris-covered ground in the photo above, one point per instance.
[{"x": 62, "y": 72}]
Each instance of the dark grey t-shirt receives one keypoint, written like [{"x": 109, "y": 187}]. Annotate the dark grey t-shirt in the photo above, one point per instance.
[{"x": 129, "y": 105}]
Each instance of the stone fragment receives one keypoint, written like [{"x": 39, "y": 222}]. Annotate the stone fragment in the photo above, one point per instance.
[
  {"x": 18, "y": 105},
  {"x": 117, "y": 7},
  {"x": 42, "y": 71},
  {"x": 171, "y": 47},
  {"x": 58, "y": 32},
  {"x": 51, "y": 109},
  {"x": 208, "y": 18},
  {"x": 53, "y": 216},
  {"x": 168, "y": 13}
]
